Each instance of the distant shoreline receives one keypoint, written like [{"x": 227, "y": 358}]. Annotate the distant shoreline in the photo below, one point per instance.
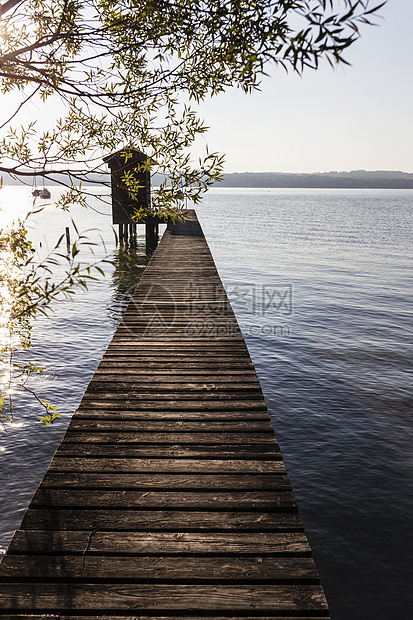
[{"x": 356, "y": 179}]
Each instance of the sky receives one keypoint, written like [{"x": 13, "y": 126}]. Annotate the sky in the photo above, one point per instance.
[
  {"x": 348, "y": 118},
  {"x": 358, "y": 117}
]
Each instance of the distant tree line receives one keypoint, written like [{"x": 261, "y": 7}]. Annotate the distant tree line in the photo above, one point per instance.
[
  {"x": 357, "y": 180},
  {"x": 376, "y": 179}
]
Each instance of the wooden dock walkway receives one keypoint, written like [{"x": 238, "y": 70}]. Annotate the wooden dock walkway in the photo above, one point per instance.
[{"x": 167, "y": 497}]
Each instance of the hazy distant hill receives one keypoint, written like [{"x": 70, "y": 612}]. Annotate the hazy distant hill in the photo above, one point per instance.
[
  {"x": 377, "y": 179},
  {"x": 100, "y": 179},
  {"x": 60, "y": 178},
  {"x": 380, "y": 179}
]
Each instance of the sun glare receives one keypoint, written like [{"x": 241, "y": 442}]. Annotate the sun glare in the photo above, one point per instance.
[
  {"x": 7, "y": 286},
  {"x": 15, "y": 203},
  {"x": 5, "y": 314}
]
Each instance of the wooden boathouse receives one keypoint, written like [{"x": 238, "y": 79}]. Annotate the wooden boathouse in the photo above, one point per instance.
[{"x": 167, "y": 497}]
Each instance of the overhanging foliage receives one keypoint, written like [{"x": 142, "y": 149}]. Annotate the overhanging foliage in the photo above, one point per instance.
[{"x": 128, "y": 72}]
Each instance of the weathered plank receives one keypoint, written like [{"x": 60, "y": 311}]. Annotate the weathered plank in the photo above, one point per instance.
[
  {"x": 206, "y": 387},
  {"x": 241, "y": 568},
  {"x": 183, "y": 361},
  {"x": 169, "y": 392},
  {"x": 154, "y": 597},
  {"x": 144, "y": 346},
  {"x": 249, "y": 482},
  {"x": 144, "y": 616},
  {"x": 166, "y": 465},
  {"x": 127, "y": 404},
  {"x": 131, "y": 376},
  {"x": 224, "y": 426},
  {"x": 107, "y": 452},
  {"x": 195, "y": 500},
  {"x": 160, "y": 438},
  {"x": 155, "y": 520},
  {"x": 170, "y": 415},
  {"x": 156, "y": 364},
  {"x": 131, "y": 543}
]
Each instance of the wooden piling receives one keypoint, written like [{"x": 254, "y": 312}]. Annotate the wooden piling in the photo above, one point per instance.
[
  {"x": 152, "y": 236},
  {"x": 68, "y": 239}
]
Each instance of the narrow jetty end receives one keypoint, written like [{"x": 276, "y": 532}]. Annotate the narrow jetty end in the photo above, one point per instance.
[{"x": 168, "y": 496}]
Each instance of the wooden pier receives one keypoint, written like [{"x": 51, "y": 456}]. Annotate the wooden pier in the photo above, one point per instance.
[{"x": 167, "y": 497}]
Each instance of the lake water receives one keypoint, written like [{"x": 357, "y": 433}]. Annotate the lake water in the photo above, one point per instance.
[{"x": 321, "y": 283}]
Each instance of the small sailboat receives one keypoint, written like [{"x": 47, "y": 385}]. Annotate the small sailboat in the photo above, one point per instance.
[
  {"x": 35, "y": 191},
  {"x": 40, "y": 193},
  {"x": 45, "y": 193}
]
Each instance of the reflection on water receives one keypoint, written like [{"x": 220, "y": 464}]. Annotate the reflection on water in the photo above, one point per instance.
[
  {"x": 15, "y": 425},
  {"x": 14, "y": 329},
  {"x": 129, "y": 263},
  {"x": 68, "y": 344}
]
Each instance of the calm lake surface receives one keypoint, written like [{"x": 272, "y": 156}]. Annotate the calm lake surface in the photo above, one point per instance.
[{"x": 321, "y": 283}]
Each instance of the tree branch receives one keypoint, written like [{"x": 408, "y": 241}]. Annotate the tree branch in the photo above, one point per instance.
[{"x": 9, "y": 5}]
